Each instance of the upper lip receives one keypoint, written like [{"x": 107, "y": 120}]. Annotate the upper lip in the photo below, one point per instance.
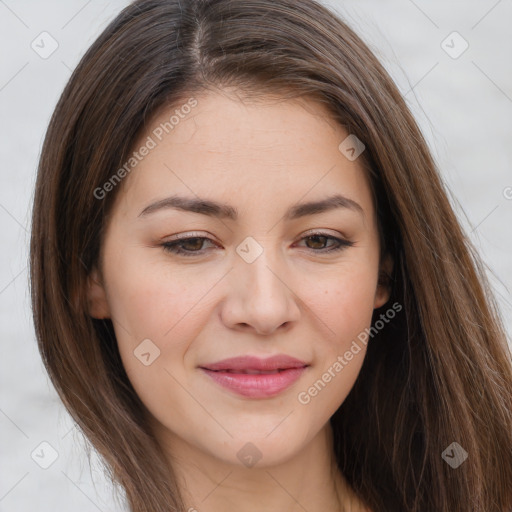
[{"x": 277, "y": 362}]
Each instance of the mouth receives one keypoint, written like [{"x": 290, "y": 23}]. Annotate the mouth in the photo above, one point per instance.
[{"x": 253, "y": 377}]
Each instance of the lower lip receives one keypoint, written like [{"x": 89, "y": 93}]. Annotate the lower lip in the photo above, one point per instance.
[{"x": 256, "y": 385}]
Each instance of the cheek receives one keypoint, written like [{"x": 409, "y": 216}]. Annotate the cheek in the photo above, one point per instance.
[
  {"x": 155, "y": 321},
  {"x": 146, "y": 304},
  {"x": 151, "y": 300},
  {"x": 344, "y": 301}
]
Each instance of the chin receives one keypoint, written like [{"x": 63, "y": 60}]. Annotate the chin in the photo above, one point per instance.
[{"x": 252, "y": 448}]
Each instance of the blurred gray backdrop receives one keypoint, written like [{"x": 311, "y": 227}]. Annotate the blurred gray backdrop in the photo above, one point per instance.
[{"x": 451, "y": 59}]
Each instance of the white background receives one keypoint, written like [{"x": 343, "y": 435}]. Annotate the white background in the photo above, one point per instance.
[{"x": 463, "y": 105}]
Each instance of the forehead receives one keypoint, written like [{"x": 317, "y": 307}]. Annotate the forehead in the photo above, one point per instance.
[{"x": 222, "y": 145}]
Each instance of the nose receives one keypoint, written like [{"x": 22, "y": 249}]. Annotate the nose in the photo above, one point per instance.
[{"x": 260, "y": 297}]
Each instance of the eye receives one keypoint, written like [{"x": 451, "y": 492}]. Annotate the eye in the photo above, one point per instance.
[
  {"x": 319, "y": 239},
  {"x": 193, "y": 245},
  {"x": 186, "y": 246}
]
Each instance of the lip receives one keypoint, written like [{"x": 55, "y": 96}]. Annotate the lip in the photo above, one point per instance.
[{"x": 241, "y": 374}]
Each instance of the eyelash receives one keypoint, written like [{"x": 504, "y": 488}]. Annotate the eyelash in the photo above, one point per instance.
[{"x": 174, "y": 246}]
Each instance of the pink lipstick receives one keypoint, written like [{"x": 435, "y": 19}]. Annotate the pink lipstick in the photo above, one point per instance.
[{"x": 254, "y": 377}]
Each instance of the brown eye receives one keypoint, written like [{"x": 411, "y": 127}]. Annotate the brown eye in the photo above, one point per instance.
[
  {"x": 317, "y": 243},
  {"x": 192, "y": 244},
  {"x": 186, "y": 246}
]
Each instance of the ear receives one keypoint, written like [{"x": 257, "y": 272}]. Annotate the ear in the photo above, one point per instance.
[
  {"x": 96, "y": 296},
  {"x": 383, "y": 291}
]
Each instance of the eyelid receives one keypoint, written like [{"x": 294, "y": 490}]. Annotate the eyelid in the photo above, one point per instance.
[
  {"x": 189, "y": 234},
  {"x": 323, "y": 232},
  {"x": 309, "y": 232}
]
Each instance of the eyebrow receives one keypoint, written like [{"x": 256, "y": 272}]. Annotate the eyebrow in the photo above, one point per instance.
[{"x": 225, "y": 211}]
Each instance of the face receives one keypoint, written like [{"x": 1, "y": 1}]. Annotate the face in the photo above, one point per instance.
[{"x": 257, "y": 274}]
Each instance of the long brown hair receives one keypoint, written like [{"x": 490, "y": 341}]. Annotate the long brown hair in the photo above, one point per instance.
[{"x": 441, "y": 370}]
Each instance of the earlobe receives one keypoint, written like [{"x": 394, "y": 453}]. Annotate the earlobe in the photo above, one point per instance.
[
  {"x": 96, "y": 296},
  {"x": 383, "y": 291}
]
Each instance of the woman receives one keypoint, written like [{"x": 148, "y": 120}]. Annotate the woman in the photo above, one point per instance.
[{"x": 249, "y": 287}]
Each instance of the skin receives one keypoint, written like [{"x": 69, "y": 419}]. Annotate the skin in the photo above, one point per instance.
[{"x": 261, "y": 157}]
